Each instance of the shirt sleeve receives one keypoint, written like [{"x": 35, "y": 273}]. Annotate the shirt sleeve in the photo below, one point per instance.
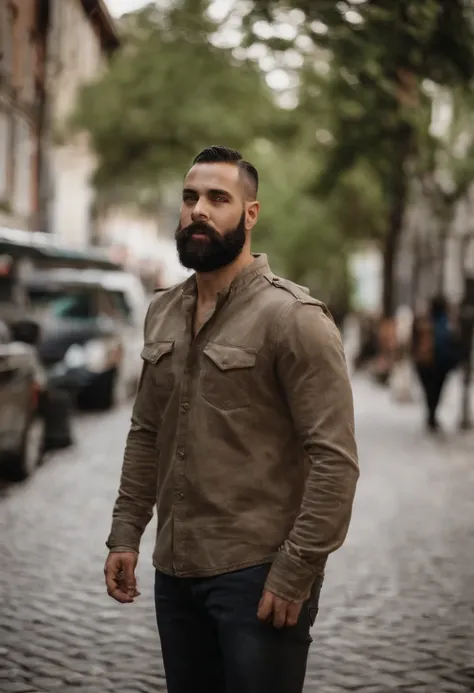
[
  {"x": 133, "y": 508},
  {"x": 312, "y": 370}
]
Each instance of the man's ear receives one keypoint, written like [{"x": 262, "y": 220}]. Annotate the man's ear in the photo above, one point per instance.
[{"x": 251, "y": 214}]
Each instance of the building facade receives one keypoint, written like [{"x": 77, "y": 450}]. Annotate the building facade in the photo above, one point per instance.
[
  {"x": 81, "y": 38},
  {"x": 48, "y": 50},
  {"x": 19, "y": 113}
]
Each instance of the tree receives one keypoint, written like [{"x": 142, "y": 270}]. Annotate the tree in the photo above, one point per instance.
[
  {"x": 171, "y": 92},
  {"x": 168, "y": 93},
  {"x": 311, "y": 238},
  {"x": 445, "y": 170},
  {"x": 380, "y": 52}
]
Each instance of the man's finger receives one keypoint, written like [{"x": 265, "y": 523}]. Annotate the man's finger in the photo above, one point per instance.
[
  {"x": 293, "y": 613},
  {"x": 130, "y": 582},
  {"x": 120, "y": 596},
  {"x": 115, "y": 591},
  {"x": 133, "y": 592},
  {"x": 113, "y": 582},
  {"x": 110, "y": 578},
  {"x": 265, "y": 606},
  {"x": 279, "y": 613}
]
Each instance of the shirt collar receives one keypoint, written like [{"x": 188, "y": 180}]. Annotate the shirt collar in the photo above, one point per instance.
[{"x": 256, "y": 268}]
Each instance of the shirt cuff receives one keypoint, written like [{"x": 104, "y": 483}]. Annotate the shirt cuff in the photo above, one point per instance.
[
  {"x": 123, "y": 549},
  {"x": 291, "y": 578},
  {"x": 124, "y": 536}
]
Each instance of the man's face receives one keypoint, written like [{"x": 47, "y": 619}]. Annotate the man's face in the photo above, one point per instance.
[{"x": 215, "y": 217}]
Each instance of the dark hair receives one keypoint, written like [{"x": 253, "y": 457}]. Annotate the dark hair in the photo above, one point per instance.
[
  {"x": 438, "y": 307},
  {"x": 216, "y": 154}
]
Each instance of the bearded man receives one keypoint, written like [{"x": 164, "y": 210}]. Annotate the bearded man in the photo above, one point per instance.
[{"x": 242, "y": 435}]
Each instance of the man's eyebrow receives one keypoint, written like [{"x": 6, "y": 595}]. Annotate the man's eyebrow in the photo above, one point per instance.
[
  {"x": 219, "y": 191},
  {"x": 211, "y": 191}
]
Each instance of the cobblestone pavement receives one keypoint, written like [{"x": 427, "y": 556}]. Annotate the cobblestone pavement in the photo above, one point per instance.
[{"x": 396, "y": 610}]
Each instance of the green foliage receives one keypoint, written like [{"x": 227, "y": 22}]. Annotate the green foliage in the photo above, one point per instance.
[
  {"x": 380, "y": 52},
  {"x": 310, "y": 238},
  {"x": 335, "y": 170},
  {"x": 171, "y": 92},
  {"x": 167, "y": 94}
]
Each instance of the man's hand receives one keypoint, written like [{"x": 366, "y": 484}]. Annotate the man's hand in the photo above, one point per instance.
[
  {"x": 280, "y": 611},
  {"x": 120, "y": 576}
]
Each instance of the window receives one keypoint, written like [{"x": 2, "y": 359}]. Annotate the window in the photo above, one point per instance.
[
  {"x": 54, "y": 33},
  {"x": 4, "y": 154},
  {"x": 28, "y": 70},
  {"x": 5, "y": 336},
  {"x": 121, "y": 304},
  {"x": 62, "y": 305},
  {"x": 23, "y": 147},
  {"x": 107, "y": 306},
  {"x": 7, "y": 18}
]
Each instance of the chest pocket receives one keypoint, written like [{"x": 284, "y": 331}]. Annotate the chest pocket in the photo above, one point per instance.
[
  {"x": 159, "y": 357},
  {"x": 228, "y": 376}
]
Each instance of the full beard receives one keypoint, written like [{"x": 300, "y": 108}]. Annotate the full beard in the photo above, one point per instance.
[{"x": 214, "y": 252}]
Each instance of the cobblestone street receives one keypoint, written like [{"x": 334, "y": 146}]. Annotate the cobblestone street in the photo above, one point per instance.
[{"x": 396, "y": 609}]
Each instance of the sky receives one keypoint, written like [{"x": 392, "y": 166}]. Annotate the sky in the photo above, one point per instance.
[{"x": 118, "y": 7}]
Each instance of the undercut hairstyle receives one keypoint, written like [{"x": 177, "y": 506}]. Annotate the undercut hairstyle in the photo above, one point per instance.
[{"x": 216, "y": 155}]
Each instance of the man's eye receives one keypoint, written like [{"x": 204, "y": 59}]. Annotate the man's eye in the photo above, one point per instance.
[
  {"x": 220, "y": 198},
  {"x": 189, "y": 198}
]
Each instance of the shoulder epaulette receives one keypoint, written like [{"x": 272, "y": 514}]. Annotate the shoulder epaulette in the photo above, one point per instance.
[{"x": 300, "y": 293}]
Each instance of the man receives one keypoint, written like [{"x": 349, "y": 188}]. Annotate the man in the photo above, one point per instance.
[
  {"x": 436, "y": 353},
  {"x": 243, "y": 435}
]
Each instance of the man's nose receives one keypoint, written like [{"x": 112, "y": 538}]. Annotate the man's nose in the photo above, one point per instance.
[{"x": 200, "y": 211}]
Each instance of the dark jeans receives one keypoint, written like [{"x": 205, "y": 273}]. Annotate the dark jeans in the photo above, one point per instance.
[
  {"x": 432, "y": 381},
  {"x": 213, "y": 642}
]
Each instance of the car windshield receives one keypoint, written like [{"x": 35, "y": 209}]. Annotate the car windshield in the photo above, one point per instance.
[
  {"x": 120, "y": 303},
  {"x": 73, "y": 304}
]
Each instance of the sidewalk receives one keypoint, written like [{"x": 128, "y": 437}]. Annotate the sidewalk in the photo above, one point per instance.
[{"x": 396, "y": 605}]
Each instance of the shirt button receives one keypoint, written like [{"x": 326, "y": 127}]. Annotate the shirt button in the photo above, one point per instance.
[
  {"x": 181, "y": 452},
  {"x": 181, "y": 496},
  {"x": 185, "y": 406}
]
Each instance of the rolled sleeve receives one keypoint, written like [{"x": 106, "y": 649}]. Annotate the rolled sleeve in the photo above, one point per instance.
[{"x": 312, "y": 369}]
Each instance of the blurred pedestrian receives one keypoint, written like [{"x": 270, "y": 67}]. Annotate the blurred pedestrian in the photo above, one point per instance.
[
  {"x": 368, "y": 342},
  {"x": 436, "y": 353},
  {"x": 401, "y": 380},
  {"x": 243, "y": 436}
]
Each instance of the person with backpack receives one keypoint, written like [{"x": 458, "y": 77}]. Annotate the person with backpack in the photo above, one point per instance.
[{"x": 436, "y": 354}]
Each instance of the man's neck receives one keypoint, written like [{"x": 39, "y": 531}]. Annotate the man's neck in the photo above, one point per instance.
[{"x": 209, "y": 284}]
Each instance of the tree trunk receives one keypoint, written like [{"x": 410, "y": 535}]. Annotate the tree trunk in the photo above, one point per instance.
[
  {"x": 446, "y": 220},
  {"x": 415, "y": 275},
  {"x": 395, "y": 220}
]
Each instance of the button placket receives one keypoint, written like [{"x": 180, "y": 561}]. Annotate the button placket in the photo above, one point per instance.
[{"x": 181, "y": 434}]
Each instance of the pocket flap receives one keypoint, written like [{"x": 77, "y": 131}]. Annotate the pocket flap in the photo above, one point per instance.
[
  {"x": 154, "y": 351},
  {"x": 229, "y": 357}
]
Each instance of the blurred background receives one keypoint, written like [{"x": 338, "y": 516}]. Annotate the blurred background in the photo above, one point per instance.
[{"x": 359, "y": 116}]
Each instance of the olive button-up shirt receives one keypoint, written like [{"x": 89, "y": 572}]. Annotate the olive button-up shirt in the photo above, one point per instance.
[{"x": 242, "y": 436}]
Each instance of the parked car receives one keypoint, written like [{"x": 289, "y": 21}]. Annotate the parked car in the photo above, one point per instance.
[
  {"x": 92, "y": 327},
  {"x": 33, "y": 418}
]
